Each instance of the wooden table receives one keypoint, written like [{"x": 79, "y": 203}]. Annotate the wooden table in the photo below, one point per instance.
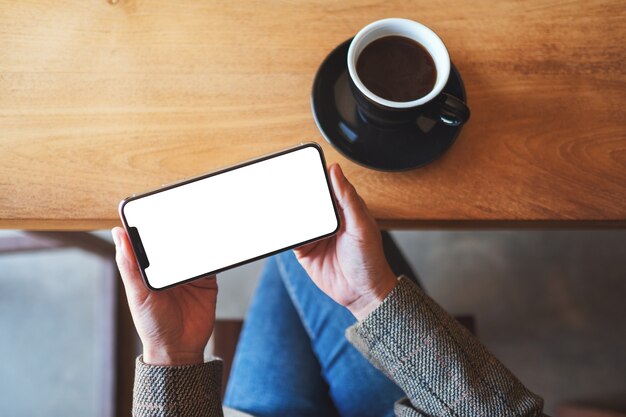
[{"x": 99, "y": 100}]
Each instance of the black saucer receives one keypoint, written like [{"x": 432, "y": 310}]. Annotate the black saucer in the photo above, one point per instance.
[{"x": 385, "y": 149}]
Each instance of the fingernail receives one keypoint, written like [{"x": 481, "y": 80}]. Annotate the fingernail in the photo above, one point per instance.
[{"x": 115, "y": 238}]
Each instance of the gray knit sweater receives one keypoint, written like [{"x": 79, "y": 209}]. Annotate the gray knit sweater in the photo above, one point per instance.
[{"x": 443, "y": 369}]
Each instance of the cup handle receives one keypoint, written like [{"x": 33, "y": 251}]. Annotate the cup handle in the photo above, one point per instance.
[{"x": 451, "y": 110}]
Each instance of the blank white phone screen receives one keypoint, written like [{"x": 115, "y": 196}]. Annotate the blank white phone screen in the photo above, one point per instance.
[{"x": 232, "y": 217}]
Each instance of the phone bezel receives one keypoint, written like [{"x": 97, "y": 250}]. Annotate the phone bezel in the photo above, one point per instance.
[{"x": 135, "y": 245}]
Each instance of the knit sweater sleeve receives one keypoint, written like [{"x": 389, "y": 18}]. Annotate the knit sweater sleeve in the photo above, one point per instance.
[
  {"x": 443, "y": 369},
  {"x": 178, "y": 391}
]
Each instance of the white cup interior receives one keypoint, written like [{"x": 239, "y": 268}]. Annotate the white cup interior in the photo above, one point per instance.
[{"x": 409, "y": 29}]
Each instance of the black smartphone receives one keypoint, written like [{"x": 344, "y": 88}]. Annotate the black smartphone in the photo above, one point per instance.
[{"x": 207, "y": 224}]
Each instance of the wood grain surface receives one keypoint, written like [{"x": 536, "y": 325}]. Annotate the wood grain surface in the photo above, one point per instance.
[{"x": 99, "y": 100}]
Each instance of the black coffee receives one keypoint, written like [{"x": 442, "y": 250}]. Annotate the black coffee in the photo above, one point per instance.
[{"x": 397, "y": 69}]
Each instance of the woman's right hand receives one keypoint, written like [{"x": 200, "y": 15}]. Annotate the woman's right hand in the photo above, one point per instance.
[
  {"x": 174, "y": 325},
  {"x": 350, "y": 267}
]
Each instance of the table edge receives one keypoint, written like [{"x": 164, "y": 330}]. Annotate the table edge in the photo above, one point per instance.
[{"x": 387, "y": 224}]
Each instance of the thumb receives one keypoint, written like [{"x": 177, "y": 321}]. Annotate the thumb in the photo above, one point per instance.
[
  {"x": 127, "y": 264},
  {"x": 353, "y": 208}
]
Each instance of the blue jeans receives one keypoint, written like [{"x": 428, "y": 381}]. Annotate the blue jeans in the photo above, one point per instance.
[{"x": 293, "y": 358}]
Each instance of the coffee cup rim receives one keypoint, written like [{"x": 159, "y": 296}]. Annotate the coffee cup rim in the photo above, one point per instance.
[{"x": 442, "y": 60}]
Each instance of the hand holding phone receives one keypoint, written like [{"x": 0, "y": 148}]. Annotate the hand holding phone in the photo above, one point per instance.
[
  {"x": 350, "y": 267},
  {"x": 174, "y": 325}
]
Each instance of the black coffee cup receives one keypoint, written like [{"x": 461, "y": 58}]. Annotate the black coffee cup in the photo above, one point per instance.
[{"x": 448, "y": 109}]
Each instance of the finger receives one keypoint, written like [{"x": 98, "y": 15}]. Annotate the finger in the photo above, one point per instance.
[
  {"x": 127, "y": 264},
  {"x": 344, "y": 191},
  {"x": 305, "y": 250},
  {"x": 353, "y": 208},
  {"x": 209, "y": 282},
  {"x": 368, "y": 214}
]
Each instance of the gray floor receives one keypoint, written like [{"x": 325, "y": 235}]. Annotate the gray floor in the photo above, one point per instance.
[
  {"x": 48, "y": 340},
  {"x": 548, "y": 304}
]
